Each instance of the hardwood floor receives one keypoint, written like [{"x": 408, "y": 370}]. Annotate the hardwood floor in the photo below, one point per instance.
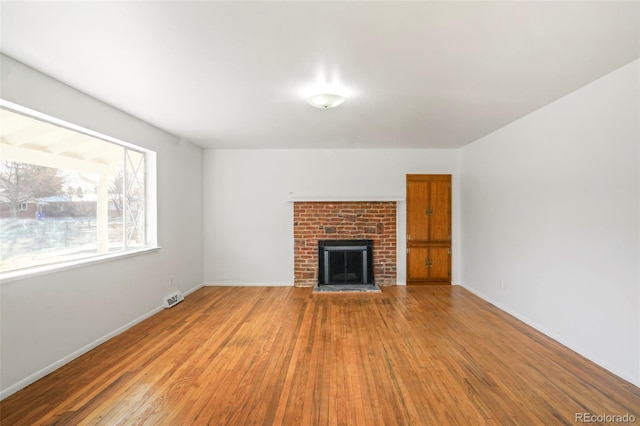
[{"x": 245, "y": 355}]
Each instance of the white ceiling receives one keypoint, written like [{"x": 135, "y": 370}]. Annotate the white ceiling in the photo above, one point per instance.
[{"x": 231, "y": 74}]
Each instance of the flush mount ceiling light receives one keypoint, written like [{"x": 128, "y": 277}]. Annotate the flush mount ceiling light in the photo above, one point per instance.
[
  {"x": 326, "y": 92},
  {"x": 325, "y": 100}
]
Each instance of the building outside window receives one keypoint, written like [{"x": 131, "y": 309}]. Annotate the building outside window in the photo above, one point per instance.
[{"x": 67, "y": 194}]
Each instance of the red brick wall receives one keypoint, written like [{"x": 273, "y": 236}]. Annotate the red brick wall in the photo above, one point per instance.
[{"x": 313, "y": 221}]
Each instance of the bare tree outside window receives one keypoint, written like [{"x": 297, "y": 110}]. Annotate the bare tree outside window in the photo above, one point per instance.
[{"x": 20, "y": 183}]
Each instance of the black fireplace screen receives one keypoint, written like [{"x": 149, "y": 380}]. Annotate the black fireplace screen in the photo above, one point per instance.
[{"x": 345, "y": 262}]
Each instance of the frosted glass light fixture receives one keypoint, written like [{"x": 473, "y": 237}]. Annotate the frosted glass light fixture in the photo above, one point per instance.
[{"x": 325, "y": 100}]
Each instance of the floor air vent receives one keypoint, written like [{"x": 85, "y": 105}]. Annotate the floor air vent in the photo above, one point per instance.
[{"x": 173, "y": 299}]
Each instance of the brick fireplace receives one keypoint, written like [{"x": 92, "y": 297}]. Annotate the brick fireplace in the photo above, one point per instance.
[{"x": 357, "y": 220}]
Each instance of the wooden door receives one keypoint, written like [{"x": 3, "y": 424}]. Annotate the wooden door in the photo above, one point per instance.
[
  {"x": 440, "y": 264},
  {"x": 417, "y": 264},
  {"x": 439, "y": 218},
  {"x": 417, "y": 211},
  {"x": 428, "y": 229},
  {"x": 429, "y": 265}
]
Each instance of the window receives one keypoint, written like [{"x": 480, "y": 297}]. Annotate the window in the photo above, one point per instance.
[{"x": 67, "y": 193}]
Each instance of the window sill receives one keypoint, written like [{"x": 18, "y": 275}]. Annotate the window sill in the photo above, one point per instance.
[{"x": 37, "y": 271}]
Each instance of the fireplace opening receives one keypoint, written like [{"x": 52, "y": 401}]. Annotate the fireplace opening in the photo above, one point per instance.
[{"x": 345, "y": 262}]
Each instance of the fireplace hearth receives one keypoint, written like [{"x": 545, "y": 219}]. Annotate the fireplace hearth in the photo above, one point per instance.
[{"x": 345, "y": 262}]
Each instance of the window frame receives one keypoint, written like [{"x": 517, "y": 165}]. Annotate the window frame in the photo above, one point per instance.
[{"x": 150, "y": 202}]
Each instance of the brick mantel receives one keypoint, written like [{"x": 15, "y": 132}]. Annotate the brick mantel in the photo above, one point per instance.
[{"x": 344, "y": 220}]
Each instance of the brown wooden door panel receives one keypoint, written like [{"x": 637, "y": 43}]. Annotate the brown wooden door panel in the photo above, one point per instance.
[
  {"x": 417, "y": 203},
  {"x": 440, "y": 263},
  {"x": 440, "y": 211},
  {"x": 417, "y": 263}
]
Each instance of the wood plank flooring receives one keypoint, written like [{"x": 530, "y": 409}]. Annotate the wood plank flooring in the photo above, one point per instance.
[{"x": 283, "y": 356}]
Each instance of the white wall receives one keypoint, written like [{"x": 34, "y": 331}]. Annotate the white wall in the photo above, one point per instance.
[
  {"x": 249, "y": 217},
  {"x": 48, "y": 320},
  {"x": 551, "y": 206}
]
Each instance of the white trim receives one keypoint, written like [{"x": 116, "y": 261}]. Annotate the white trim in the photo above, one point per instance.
[
  {"x": 338, "y": 199},
  {"x": 246, "y": 284},
  {"x": 37, "y": 271},
  {"x": 633, "y": 380},
  {"x": 54, "y": 366},
  {"x": 193, "y": 290},
  {"x": 271, "y": 284}
]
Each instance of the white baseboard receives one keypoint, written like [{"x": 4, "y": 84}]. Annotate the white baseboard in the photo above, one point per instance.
[
  {"x": 633, "y": 380},
  {"x": 54, "y": 366},
  {"x": 246, "y": 284},
  {"x": 188, "y": 292},
  {"x": 264, "y": 284}
]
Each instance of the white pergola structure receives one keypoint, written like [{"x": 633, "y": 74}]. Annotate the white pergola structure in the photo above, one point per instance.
[{"x": 27, "y": 140}]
